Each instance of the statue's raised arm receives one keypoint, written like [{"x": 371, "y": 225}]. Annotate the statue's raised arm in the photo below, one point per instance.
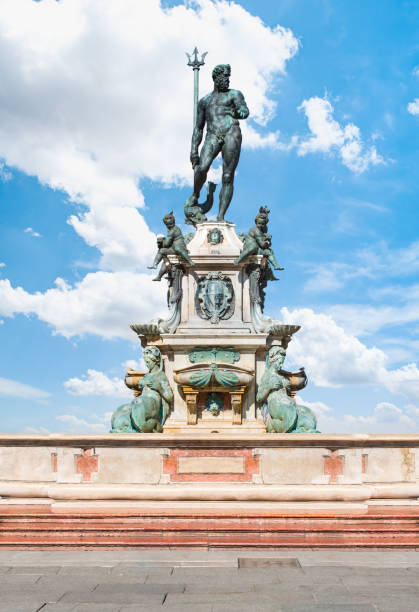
[
  {"x": 221, "y": 111},
  {"x": 242, "y": 112}
]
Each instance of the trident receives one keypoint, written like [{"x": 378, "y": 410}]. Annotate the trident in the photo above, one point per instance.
[{"x": 196, "y": 64}]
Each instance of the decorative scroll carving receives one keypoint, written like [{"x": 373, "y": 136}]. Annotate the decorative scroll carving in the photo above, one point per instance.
[{"x": 204, "y": 377}]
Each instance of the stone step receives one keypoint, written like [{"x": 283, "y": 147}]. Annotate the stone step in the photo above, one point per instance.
[
  {"x": 142, "y": 524},
  {"x": 380, "y": 528}
]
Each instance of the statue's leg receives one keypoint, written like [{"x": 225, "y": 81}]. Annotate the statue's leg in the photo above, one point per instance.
[
  {"x": 209, "y": 152},
  {"x": 156, "y": 261},
  {"x": 251, "y": 250},
  {"x": 161, "y": 272},
  {"x": 183, "y": 254},
  {"x": 272, "y": 259},
  {"x": 231, "y": 155}
]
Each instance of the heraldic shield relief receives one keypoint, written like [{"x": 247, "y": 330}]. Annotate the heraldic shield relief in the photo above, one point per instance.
[{"x": 215, "y": 297}]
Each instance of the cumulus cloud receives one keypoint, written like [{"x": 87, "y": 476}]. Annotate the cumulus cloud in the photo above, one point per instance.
[
  {"x": 102, "y": 303},
  {"x": 413, "y": 107},
  {"x": 14, "y": 388},
  {"x": 334, "y": 358},
  {"x": 329, "y": 136},
  {"x": 97, "y": 383},
  {"x": 97, "y": 96},
  {"x": 385, "y": 418}
]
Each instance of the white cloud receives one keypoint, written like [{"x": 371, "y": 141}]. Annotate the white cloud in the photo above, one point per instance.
[
  {"x": 98, "y": 96},
  {"x": 385, "y": 418},
  {"x": 271, "y": 140},
  {"x": 103, "y": 303},
  {"x": 413, "y": 107},
  {"x": 14, "y": 388},
  {"x": 378, "y": 261},
  {"x": 97, "y": 383},
  {"x": 135, "y": 364},
  {"x": 77, "y": 425},
  {"x": 32, "y": 232},
  {"x": 328, "y": 136},
  {"x": 323, "y": 412},
  {"x": 2, "y": 264},
  {"x": 334, "y": 358},
  {"x": 361, "y": 319}
]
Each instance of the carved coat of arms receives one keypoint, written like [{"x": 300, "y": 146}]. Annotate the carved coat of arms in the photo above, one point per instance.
[
  {"x": 215, "y": 297},
  {"x": 214, "y": 236}
]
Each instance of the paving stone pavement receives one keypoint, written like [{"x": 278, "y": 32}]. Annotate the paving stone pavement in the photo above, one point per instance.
[{"x": 209, "y": 581}]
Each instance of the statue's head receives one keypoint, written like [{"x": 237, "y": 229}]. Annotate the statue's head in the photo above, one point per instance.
[
  {"x": 276, "y": 357},
  {"x": 261, "y": 220},
  {"x": 221, "y": 77},
  {"x": 152, "y": 357},
  {"x": 169, "y": 220}
]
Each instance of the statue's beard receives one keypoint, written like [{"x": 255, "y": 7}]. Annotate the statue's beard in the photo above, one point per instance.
[{"x": 223, "y": 83}]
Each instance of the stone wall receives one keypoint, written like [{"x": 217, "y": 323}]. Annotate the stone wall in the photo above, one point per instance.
[{"x": 259, "y": 468}]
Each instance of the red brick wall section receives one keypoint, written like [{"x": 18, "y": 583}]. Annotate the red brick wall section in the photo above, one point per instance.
[
  {"x": 251, "y": 465},
  {"x": 333, "y": 466},
  {"x": 86, "y": 464},
  {"x": 364, "y": 463}
]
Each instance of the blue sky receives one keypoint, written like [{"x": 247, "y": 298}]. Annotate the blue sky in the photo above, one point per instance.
[{"x": 95, "y": 126}]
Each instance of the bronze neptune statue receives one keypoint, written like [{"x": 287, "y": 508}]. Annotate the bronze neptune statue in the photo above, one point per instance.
[{"x": 220, "y": 110}]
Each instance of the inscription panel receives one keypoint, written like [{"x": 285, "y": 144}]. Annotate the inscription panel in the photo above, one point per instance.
[{"x": 211, "y": 465}]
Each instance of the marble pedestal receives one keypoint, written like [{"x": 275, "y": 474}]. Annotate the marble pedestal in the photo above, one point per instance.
[{"x": 213, "y": 250}]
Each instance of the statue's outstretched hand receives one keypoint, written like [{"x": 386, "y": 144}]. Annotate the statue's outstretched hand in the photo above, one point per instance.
[{"x": 242, "y": 113}]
